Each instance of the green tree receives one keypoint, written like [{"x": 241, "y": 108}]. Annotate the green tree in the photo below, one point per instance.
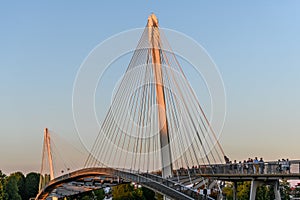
[
  {"x": 31, "y": 184},
  {"x": 158, "y": 196},
  {"x": 228, "y": 192},
  {"x": 297, "y": 191},
  {"x": 285, "y": 189},
  {"x": 86, "y": 197},
  {"x": 138, "y": 194},
  {"x": 262, "y": 193},
  {"x": 2, "y": 185},
  {"x": 20, "y": 183},
  {"x": 243, "y": 190},
  {"x": 148, "y": 194},
  {"x": 99, "y": 194},
  {"x": 123, "y": 191},
  {"x": 127, "y": 192},
  {"x": 95, "y": 194},
  {"x": 2, "y": 189},
  {"x": 12, "y": 191}
]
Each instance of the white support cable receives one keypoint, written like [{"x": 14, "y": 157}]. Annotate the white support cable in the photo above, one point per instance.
[{"x": 134, "y": 145}]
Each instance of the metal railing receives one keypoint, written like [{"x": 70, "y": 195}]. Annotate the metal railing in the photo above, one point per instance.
[
  {"x": 270, "y": 167},
  {"x": 162, "y": 185}
]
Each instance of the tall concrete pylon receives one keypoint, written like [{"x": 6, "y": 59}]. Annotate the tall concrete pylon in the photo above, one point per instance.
[{"x": 155, "y": 45}]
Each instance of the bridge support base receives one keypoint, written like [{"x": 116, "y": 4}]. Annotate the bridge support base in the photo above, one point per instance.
[
  {"x": 234, "y": 190},
  {"x": 255, "y": 184},
  {"x": 277, "y": 190}
]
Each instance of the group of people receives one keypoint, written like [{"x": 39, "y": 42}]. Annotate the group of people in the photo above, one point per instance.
[
  {"x": 284, "y": 166},
  {"x": 257, "y": 166},
  {"x": 250, "y": 166}
]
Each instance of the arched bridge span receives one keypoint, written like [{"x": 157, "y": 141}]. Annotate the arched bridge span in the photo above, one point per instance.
[{"x": 169, "y": 188}]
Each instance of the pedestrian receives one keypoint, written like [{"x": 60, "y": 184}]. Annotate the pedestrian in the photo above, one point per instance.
[
  {"x": 245, "y": 167},
  {"x": 261, "y": 166},
  {"x": 279, "y": 167},
  {"x": 288, "y": 165},
  {"x": 283, "y": 165},
  {"x": 255, "y": 165},
  {"x": 250, "y": 165},
  {"x": 240, "y": 167},
  {"x": 235, "y": 167}
]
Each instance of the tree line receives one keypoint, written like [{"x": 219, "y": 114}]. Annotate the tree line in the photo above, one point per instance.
[{"x": 17, "y": 186}]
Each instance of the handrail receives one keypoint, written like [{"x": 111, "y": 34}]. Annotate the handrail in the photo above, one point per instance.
[
  {"x": 270, "y": 167},
  {"x": 165, "y": 182}
]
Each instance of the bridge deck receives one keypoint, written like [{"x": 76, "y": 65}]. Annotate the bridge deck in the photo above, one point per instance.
[
  {"x": 250, "y": 177},
  {"x": 166, "y": 187},
  {"x": 176, "y": 187}
]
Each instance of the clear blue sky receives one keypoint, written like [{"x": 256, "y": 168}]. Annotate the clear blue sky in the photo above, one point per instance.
[{"x": 255, "y": 44}]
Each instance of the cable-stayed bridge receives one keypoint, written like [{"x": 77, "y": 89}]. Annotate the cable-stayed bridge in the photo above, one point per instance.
[{"x": 156, "y": 134}]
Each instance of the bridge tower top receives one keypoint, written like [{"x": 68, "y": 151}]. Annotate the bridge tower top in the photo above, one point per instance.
[
  {"x": 47, "y": 145},
  {"x": 152, "y": 21}
]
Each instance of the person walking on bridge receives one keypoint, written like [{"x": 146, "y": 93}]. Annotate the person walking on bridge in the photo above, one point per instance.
[
  {"x": 250, "y": 165},
  {"x": 255, "y": 165},
  {"x": 261, "y": 166}
]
